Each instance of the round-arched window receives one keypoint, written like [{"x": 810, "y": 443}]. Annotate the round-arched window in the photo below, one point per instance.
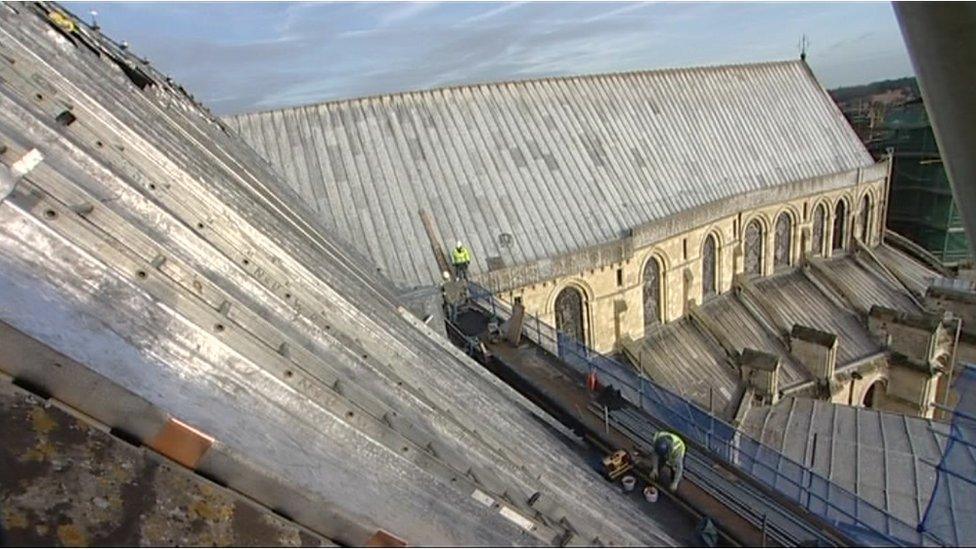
[
  {"x": 569, "y": 314},
  {"x": 753, "y": 248},
  {"x": 652, "y": 292}
]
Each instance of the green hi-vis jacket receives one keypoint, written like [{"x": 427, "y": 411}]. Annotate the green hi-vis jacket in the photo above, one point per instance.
[
  {"x": 460, "y": 255},
  {"x": 677, "y": 446}
]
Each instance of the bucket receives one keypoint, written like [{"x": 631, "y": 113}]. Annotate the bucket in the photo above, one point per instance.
[
  {"x": 650, "y": 494},
  {"x": 628, "y": 482}
]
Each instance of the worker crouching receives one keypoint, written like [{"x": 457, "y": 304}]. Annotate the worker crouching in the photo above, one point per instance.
[{"x": 669, "y": 451}]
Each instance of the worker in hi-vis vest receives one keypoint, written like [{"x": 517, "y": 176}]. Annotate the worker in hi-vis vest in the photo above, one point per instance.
[
  {"x": 669, "y": 450},
  {"x": 460, "y": 257}
]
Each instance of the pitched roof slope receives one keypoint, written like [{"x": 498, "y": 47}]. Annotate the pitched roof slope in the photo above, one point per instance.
[
  {"x": 156, "y": 253},
  {"x": 559, "y": 164}
]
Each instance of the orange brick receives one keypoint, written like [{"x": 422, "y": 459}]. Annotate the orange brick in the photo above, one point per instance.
[
  {"x": 382, "y": 538},
  {"x": 181, "y": 443}
]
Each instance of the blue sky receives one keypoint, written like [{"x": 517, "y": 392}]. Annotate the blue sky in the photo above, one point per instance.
[{"x": 239, "y": 57}]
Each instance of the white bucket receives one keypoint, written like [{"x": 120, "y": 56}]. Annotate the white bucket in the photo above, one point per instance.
[
  {"x": 628, "y": 482},
  {"x": 650, "y": 494}
]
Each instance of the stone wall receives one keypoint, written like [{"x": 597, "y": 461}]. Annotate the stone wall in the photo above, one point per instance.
[
  {"x": 960, "y": 303},
  {"x": 607, "y": 324},
  {"x": 910, "y": 391}
]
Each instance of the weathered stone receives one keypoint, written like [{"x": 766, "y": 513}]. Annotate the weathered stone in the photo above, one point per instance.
[{"x": 64, "y": 482}]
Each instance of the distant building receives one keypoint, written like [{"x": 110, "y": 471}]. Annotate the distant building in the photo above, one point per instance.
[{"x": 922, "y": 207}]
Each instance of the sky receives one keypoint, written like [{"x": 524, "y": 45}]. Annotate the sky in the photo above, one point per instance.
[{"x": 244, "y": 57}]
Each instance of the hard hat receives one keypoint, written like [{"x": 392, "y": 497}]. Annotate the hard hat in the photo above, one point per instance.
[
  {"x": 662, "y": 446},
  {"x": 459, "y": 244},
  {"x": 447, "y": 275}
]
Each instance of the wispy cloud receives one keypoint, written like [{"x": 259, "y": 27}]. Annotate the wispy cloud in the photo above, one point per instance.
[
  {"x": 403, "y": 12},
  {"x": 240, "y": 57},
  {"x": 502, "y": 7},
  {"x": 623, "y": 10}
]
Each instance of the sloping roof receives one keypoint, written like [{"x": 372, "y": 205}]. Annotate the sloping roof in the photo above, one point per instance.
[
  {"x": 914, "y": 274},
  {"x": 745, "y": 332},
  {"x": 867, "y": 286},
  {"x": 887, "y": 459},
  {"x": 687, "y": 361},
  {"x": 171, "y": 268},
  {"x": 796, "y": 300},
  {"x": 559, "y": 164},
  {"x": 680, "y": 357}
]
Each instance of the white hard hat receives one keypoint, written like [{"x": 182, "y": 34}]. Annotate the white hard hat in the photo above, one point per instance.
[
  {"x": 447, "y": 275},
  {"x": 459, "y": 244}
]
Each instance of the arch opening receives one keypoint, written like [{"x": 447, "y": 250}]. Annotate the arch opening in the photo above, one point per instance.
[
  {"x": 865, "y": 218},
  {"x": 652, "y": 292},
  {"x": 840, "y": 226},
  {"x": 570, "y": 308},
  {"x": 819, "y": 226},
  {"x": 783, "y": 243},
  {"x": 753, "y": 248},
  {"x": 709, "y": 267},
  {"x": 873, "y": 394}
]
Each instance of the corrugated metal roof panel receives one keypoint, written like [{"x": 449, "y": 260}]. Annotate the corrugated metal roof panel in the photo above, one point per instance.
[{"x": 560, "y": 163}]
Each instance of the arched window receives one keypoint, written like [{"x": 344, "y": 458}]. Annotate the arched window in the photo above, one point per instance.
[
  {"x": 840, "y": 226},
  {"x": 819, "y": 224},
  {"x": 709, "y": 267},
  {"x": 753, "y": 248},
  {"x": 865, "y": 218},
  {"x": 569, "y": 314},
  {"x": 874, "y": 394},
  {"x": 652, "y": 292},
  {"x": 783, "y": 243}
]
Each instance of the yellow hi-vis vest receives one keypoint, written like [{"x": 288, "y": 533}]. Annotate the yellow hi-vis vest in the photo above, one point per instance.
[
  {"x": 677, "y": 446},
  {"x": 460, "y": 255}
]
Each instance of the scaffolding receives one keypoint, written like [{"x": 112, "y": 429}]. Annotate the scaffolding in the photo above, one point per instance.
[
  {"x": 857, "y": 518},
  {"x": 922, "y": 206}
]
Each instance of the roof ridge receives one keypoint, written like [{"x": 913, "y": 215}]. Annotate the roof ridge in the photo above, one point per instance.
[{"x": 500, "y": 83}]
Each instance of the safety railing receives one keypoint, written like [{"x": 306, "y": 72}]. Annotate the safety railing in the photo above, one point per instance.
[{"x": 851, "y": 514}]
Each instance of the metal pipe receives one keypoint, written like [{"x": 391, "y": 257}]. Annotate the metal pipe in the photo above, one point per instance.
[{"x": 956, "y": 412}]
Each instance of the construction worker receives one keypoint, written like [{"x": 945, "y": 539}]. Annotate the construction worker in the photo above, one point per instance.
[
  {"x": 669, "y": 450},
  {"x": 455, "y": 293},
  {"x": 460, "y": 257}
]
